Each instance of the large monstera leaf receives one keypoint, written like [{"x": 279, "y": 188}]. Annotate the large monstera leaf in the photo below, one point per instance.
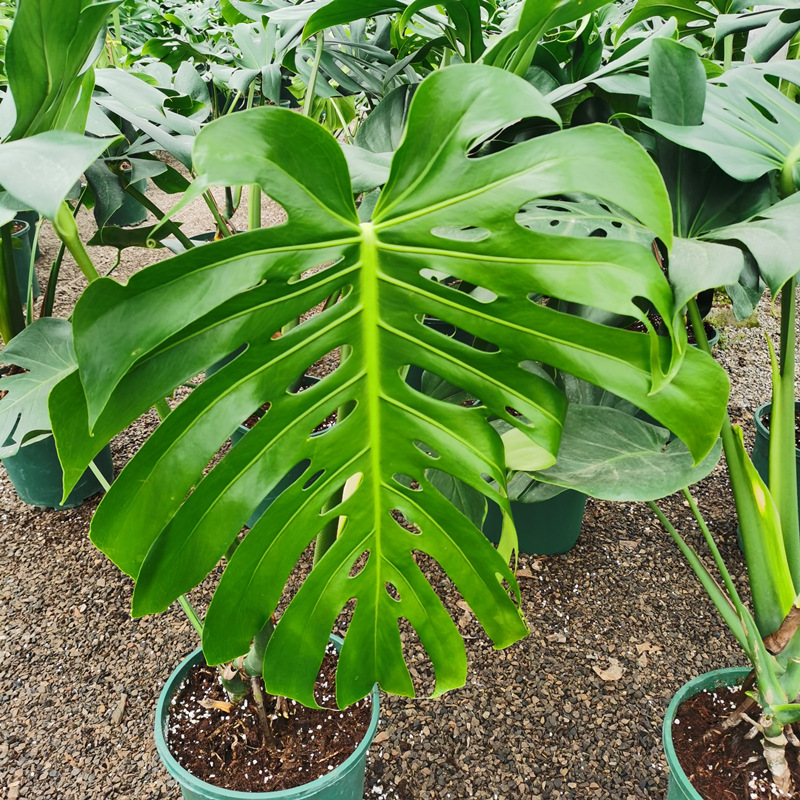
[
  {"x": 445, "y": 209},
  {"x": 749, "y": 127}
]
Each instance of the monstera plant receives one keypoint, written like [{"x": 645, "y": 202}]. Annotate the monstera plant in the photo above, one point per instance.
[{"x": 449, "y": 206}]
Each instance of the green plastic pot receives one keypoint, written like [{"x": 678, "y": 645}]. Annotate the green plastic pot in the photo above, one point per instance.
[
  {"x": 678, "y": 786},
  {"x": 345, "y": 782},
  {"x": 32, "y": 218},
  {"x": 36, "y": 474},
  {"x": 22, "y": 261},
  {"x": 761, "y": 446},
  {"x": 548, "y": 528}
]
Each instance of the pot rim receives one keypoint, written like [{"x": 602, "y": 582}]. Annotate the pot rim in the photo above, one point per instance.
[
  {"x": 22, "y": 231},
  {"x": 185, "y": 777},
  {"x": 728, "y": 676},
  {"x": 759, "y": 413}
]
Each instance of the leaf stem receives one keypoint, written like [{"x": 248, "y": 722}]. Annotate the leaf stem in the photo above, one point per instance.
[
  {"x": 212, "y": 205},
  {"x": 162, "y": 409},
  {"x": 192, "y": 615},
  {"x": 254, "y": 207},
  {"x": 142, "y": 198},
  {"x": 312, "y": 81},
  {"x": 67, "y": 230}
]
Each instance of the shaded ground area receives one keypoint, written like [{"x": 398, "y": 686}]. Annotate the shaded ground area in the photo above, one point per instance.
[{"x": 573, "y": 711}]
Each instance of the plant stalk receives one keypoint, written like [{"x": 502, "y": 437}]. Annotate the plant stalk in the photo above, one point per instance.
[
  {"x": 782, "y": 448},
  {"x": 254, "y": 207},
  {"x": 258, "y": 698},
  {"x": 67, "y": 230},
  {"x": 224, "y": 230},
  {"x": 308, "y": 103},
  {"x": 162, "y": 409},
  {"x": 191, "y": 614},
  {"x": 727, "y": 52},
  {"x": 157, "y": 213}
]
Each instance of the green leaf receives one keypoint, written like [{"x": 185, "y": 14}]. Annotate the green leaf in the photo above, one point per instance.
[
  {"x": 167, "y": 525},
  {"x": 141, "y": 236},
  {"x": 343, "y": 12},
  {"x": 677, "y": 83},
  {"x": 45, "y": 350},
  {"x": 383, "y": 128},
  {"x": 368, "y": 170},
  {"x": 620, "y": 74},
  {"x": 750, "y": 128},
  {"x": 695, "y": 266},
  {"x": 611, "y": 455},
  {"x": 772, "y": 237},
  {"x": 690, "y": 14},
  {"x": 41, "y": 170},
  {"x": 771, "y": 582},
  {"x": 513, "y": 49},
  {"x": 46, "y": 54}
]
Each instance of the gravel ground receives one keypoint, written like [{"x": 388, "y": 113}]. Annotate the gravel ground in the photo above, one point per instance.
[{"x": 573, "y": 711}]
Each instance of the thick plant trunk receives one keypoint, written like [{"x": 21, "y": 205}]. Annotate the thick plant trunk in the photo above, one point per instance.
[{"x": 775, "y": 754}]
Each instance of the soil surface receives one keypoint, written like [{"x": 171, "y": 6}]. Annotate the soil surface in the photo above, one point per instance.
[
  {"x": 723, "y": 765},
  {"x": 574, "y": 710},
  {"x": 224, "y": 744},
  {"x": 766, "y": 419}
]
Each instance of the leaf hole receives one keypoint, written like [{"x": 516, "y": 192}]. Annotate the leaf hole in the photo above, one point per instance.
[
  {"x": 465, "y": 233},
  {"x": 763, "y": 111},
  {"x": 599, "y": 233},
  {"x": 400, "y": 518},
  {"x": 313, "y": 479},
  {"x": 426, "y": 448},
  {"x": 358, "y": 565},
  {"x": 316, "y": 270},
  {"x": 406, "y": 481},
  {"x": 417, "y": 660},
  {"x": 391, "y": 590}
]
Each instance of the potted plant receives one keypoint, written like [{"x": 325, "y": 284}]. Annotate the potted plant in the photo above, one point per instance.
[
  {"x": 166, "y": 525},
  {"x": 41, "y": 158},
  {"x": 769, "y": 636}
]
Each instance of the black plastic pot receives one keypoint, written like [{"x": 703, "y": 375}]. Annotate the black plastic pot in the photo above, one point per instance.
[
  {"x": 548, "y": 528},
  {"x": 36, "y": 474},
  {"x": 761, "y": 446}
]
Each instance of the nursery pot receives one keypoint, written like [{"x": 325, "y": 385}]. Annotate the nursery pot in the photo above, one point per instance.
[
  {"x": 32, "y": 218},
  {"x": 22, "y": 260},
  {"x": 36, "y": 474},
  {"x": 345, "y": 782},
  {"x": 547, "y": 528},
  {"x": 761, "y": 446},
  {"x": 678, "y": 785}
]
